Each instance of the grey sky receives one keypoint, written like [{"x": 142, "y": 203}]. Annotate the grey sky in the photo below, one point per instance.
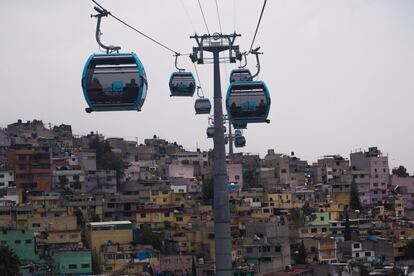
[{"x": 340, "y": 72}]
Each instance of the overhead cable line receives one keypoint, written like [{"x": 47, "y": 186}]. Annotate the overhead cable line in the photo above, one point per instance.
[
  {"x": 258, "y": 24},
  {"x": 204, "y": 18},
  {"x": 198, "y": 79},
  {"x": 218, "y": 16},
  {"x": 188, "y": 15},
  {"x": 136, "y": 30},
  {"x": 234, "y": 15}
]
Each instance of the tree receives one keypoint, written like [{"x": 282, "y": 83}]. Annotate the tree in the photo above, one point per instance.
[
  {"x": 106, "y": 159},
  {"x": 408, "y": 250},
  {"x": 347, "y": 232},
  {"x": 401, "y": 171},
  {"x": 299, "y": 216},
  {"x": 9, "y": 262},
  {"x": 148, "y": 237},
  {"x": 307, "y": 210},
  {"x": 301, "y": 256},
  {"x": 355, "y": 204}
]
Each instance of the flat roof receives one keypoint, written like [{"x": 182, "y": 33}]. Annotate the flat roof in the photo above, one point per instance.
[{"x": 109, "y": 223}]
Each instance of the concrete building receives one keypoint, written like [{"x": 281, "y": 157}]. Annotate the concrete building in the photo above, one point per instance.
[
  {"x": 4, "y": 138},
  {"x": 72, "y": 262},
  {"x": 32, "y": 167},
  {"x": 99, "y": 234},
  {"x": 405, "y": 188},
  {"x": 7, "y": 179},
  {"x": 22, "y": 242},
  {"x": 266, "y": 246},
  {"x": 377, "y": 166},
  {"x": 235, "y": 175}
]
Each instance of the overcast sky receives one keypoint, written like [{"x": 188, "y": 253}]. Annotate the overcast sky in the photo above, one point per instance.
[{"x": 340, "y": 73}]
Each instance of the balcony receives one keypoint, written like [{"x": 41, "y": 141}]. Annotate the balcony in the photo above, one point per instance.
[{"x": 327, "y": 247}]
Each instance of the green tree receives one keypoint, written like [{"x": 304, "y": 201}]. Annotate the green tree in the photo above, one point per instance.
[
  {"x": 409, "y": 250},
  {"x": 301, "y": 256},
  {"x": 347, "y": 232},
  {"x": 307, "y": 210},
  {"x": 106, "y": 159},
  {"x": 149, "y": 237},
  {"x": 9, "y": 262},
  {"x": 355, "y": 203},
  {"x": 299, "y": 216},
  {"x": 401, "y": 171}
]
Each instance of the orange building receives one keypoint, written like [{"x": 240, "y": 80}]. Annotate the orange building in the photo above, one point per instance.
[{"x": 32, "y": 170}]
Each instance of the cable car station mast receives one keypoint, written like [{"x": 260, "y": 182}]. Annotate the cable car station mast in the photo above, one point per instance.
[{"x": 216, "y": 44}]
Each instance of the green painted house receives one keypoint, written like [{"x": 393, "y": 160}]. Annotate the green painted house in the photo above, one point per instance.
[
  {"x": 73, "y": 262},
  {"x": 22, "y": 242}
]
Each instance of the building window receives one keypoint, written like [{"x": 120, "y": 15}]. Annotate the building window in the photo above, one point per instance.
[
  {"x": 17, "y": 241},
  {"x": 324, "y": 230},
  {"x": 85, "y": 265},
  {"x": 314, "y": 230},
  {"x": 249, "y": 250},
  {"x": 278, "y": 248},
  {"x": 28, "y": 241},
  {"x": 73, "y": 266},
  {"x": 143, "y": 215},
  {"x": 166, "y": 215}
]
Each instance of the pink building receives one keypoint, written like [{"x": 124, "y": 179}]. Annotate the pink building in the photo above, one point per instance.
[
  {"x": 379, "y": 173},
  {"x": 405, "y": 189},
  {"x": 176, "y": 263}
]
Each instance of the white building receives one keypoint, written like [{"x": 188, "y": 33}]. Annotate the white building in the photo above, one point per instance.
[{"x": 6, "y": 179}]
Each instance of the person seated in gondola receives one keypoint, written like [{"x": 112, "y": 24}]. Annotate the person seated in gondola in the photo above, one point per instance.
[
  {"x": 261, "y": 109},
  {"x": 95, "y": 89},
  {"x": 190, "y": 87},
  {"x": 131, "y": 90},
  {"x": 95, "y": 85}
]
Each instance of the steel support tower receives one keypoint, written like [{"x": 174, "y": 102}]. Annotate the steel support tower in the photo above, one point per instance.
[{"x": 216, "y": 44}]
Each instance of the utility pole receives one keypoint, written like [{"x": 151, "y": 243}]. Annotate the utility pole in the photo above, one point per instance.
[{"x": 216, "y": 44}]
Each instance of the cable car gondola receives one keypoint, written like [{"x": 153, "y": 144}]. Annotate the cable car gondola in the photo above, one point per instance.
[
  {"x": 237, "y": 132},
  {"x": 240, "y": 74},
  {"x": 202, "y": 106},
  {"x": 210, "y": 132},
  {"x": 182, "y": 84},
  {"x": 248, "y": 102},
  {"x": 114, "y": 82},
  {"x": 239, "y": 141},
  {"x": 239, "y": 125}
]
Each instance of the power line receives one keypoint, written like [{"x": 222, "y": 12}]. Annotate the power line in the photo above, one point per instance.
[
  {"x": 204, "y": 18},
  {"x": 198, "y": 79},
  {"x": 136, "y": 30},
  {"x": 258, "y": 24},
  {"x": 188, "y": 15},
  {"x": 218, "y": 16}
]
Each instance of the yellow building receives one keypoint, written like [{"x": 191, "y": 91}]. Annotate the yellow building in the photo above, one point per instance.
[
  {"x": 99, "y": 234},
  {"x": 120, "y": 259},
  {"x": 155, "y": 217},
  {"x": 161, "y": 197}
]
